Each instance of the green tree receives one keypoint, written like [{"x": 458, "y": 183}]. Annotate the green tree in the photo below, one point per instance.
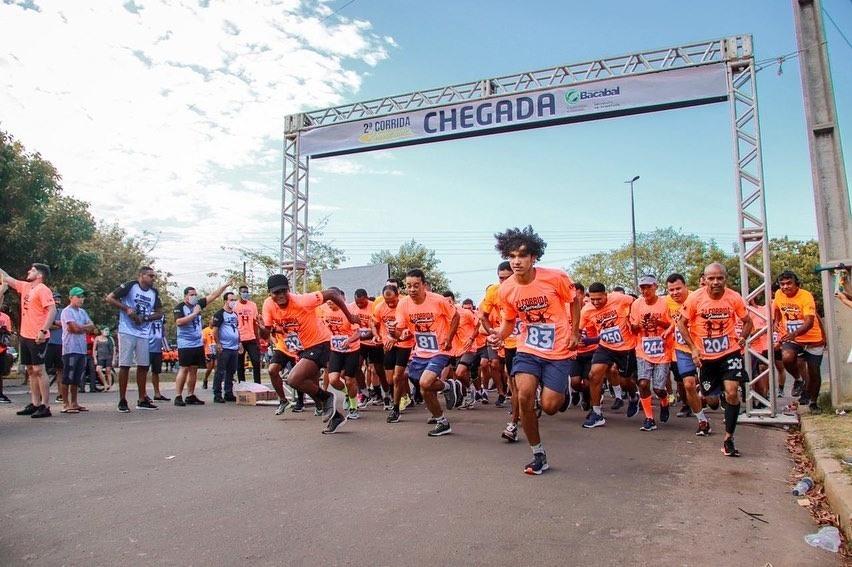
[
  {"x": 661, "y": 253},
  {"x": 414, "y": 255}
]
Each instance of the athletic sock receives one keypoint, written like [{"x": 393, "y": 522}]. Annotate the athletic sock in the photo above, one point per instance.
[
  {"x": 597, "y": 410},
  {"x": 700, "y": 415},
  {"x": 664, "y": 402},
  {"x": 618, "y": 393},
  {"x": 536, "y": 449},
  {"x": 647, "y": 407},
  {"x": 442, "y": 419},
  {"x": 732, "y": 413}
]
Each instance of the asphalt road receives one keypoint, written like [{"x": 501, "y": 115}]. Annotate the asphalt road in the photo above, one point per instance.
[{"x": 228, "y": 485}]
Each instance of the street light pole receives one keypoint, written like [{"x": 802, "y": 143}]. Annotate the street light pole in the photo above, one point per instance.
[{"x": 633, "y": 224}]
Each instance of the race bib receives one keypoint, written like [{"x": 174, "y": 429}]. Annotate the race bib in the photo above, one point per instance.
[
  {"x": 293, "y": 343},
  {"x": 541, "y": 337},
  {"x": 516, "y": 330},
  {"x": 611, "y": 335},
  {"x": 427, "y": 341},
  {"x": 679, "y": 337},
  {"x": 338, "y": 343},
  {"x": 716, "y": 345},
  {"x": 792, "y": 326},
  {"x": 653, "y": 346}
]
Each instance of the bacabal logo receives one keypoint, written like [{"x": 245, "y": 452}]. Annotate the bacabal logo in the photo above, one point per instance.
[{"x": 572, "y": 97}]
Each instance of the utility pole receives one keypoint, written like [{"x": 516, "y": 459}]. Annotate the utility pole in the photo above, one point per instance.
[
  {"x": 244, "y": 274},
  {"x": 831, "y": 194},
  {"x": 633, "y": 231}
]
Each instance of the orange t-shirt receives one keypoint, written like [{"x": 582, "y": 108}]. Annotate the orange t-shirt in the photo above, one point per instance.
[
  {"x": 652, "y": 320},
  {"x": 713, "y": 322},
  {"x": 341, "y": 329},
  {"x": 793, "y": 312},
  {"x": 298, "y": 322},
  {"x": 429, "y": 322},
  {"x": 674, "y": 313},
  {"x": 208, "y": 340},
  {"x": 540, "y": 305},
  {"x": 611, "y": 322},
  {"x": 761, "y": 343},
  {"x": 36, "y": 301},
  {"x": 384, "y": 314},
  {"x": 491, "y": 305},
  {"x": 246, "y": 314},
  {"x": 468, "y": 329},
  {"x": 587, "y": 331},
  {"x": 364, "y": 315}
]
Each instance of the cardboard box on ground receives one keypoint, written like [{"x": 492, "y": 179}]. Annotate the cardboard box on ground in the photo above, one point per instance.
[{"x": 251, "y": 394}]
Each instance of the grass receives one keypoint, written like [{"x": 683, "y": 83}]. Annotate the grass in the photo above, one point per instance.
[{"x": 835, "y": 434}]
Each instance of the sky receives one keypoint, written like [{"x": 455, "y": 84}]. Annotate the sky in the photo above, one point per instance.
[{"x": 167, "y": 118}]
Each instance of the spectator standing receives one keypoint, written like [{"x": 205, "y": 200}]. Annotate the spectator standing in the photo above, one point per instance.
[
  {"x": 104, "y": 348},
  {"x": 155, "y": 352},
  {"x": 246, "y": 311},
  {"x": 228, "y": 349},
  {"x": 53, "y": 355},
  {"x": 76, "y": 324}
]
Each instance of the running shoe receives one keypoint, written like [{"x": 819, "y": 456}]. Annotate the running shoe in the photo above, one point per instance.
[
  {"x": 317, "y": 411},
  {"x": 282, "y": 406},
  {"x": 684, "y": 411},
  {"x": 30, "y": 409},
  {"x": 664, "y": 414},
  {"x": 218, "y": 400},
  {"x": 404, "y": 402},
  {"x": 336, "y": 422},
  {"x": 538, "y": 464},
  {"x": 450, "y": 394},
  {"x": 353, "y": 414},
  {"x": 59, "y": 399},
  {"x": 804, "y": 400},
  {"x": 362, "y": 401},
  {"x": 41, "y": 411},
  {"x": 780, "y": 392},
  {"x": 510, "y": 434},
  {"x": 484, "y": 397},
  {"x": 388, "y": 403},
  {"x": 432, "y": 421},
  {"x": 633, "y": 407},
  {"x": 4, "y": 399},
  {"x": 469, "y": 401},
  {"x": 617, "y": 404},
  {"x": 797, "y": 388},
  {"x": 228, "y": 398},
  {"x": 728, "y": 448},
  {"x": 584, "y": 402},
  {"x": 575, "y": 398},
  {"x": 328, "y": 409},
  {"x": 122, "y": 406},
  {"x": 441, "y": 428},
  {"x": 193, "y": 401},
  {"x": 393, "y": 416},
  {"x": 703, "y": 429},
  {"x": 377, "y": 400},
  {"x": 457, "y": 388},
  {"x": 593, "y": 420},
  {"x": 204, "y": 384},
  {"x": 298, "y": 407},
  {"x": 814, "y": 407},
  {"x": 162, "y": 398},
  {"x": 648, "y": 425},
  {"x": 501, "y": 402},
  {"x": 146, "y": 405}
]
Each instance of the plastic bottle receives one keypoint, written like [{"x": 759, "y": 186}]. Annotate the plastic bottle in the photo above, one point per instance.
[
  {"x": 827, "y": 538},
  {"x": 803, "y": 486}
]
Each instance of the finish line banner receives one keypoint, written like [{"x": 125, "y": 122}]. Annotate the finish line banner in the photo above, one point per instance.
[{"x": 572, "y": 103}]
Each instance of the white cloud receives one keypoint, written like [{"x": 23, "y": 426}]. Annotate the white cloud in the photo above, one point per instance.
[{"x": 171, "y": 110}]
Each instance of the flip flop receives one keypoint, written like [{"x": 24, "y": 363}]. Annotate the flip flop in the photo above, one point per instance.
[
  {"x": 72, "y": 410},
  {"x": 81, "y": 408}
]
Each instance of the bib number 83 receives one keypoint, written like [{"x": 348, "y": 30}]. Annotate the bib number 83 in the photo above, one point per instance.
[{"x": 541, "y": 337}]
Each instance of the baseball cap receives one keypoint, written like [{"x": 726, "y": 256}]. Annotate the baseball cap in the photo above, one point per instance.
[
  {"x": 77, "y": 292},
  {"x": 276, "y": 282},
  {"x": 648, "y": 279}
]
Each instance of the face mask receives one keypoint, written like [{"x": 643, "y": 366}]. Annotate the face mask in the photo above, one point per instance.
[
  {"x": 244, "y": 294},
  {"x": 193, "y": 300},
  {"x": 232, "y": 304}
]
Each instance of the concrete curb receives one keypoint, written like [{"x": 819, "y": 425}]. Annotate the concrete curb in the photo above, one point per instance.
[{"x": 828, "y": 470}]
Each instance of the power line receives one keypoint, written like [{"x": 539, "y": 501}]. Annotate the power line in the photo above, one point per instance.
[
  {"x": 336, "y": 11},
  {"x": 840, "y": 31}
]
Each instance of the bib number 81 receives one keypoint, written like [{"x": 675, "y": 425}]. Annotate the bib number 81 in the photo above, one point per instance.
[{"x": 427, "y": 341}]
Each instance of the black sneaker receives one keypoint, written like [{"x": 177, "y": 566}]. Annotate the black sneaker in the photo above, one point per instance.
[
  {"x": 685, "y": 411},
  {"x": 617, "y": 404},
  {"x": 335, "y": 423},
  {"x": 41, "y": 411},
  {"x": 393, "y": 416},
  {"x": 501, "y": 402},
  {"x": 204, "y": 384},
  {"x": 566, "y": 403},
  {"x": 633, "y": 407},
  {"x": 122, "y": 406},
  {"x": 218, "y": 400},
  {"x": 298, "y": 407},
  {"x": 457, "y": 388},
  {"x": 584, "y": 402},
  {"x": 230, "y": 398},
  {"x": 703, "y": 429},
  {"x": 804, "y": 400},
  {"x": 4, "y": 399},
  {"x": 179, "y": 401},
  {"x": 664, "y": 414},
  {"x": 648, "y": 425},
  {"x": 797, "y": 388},
  {"x": 814, "y": 407},
  {"x": 282, "y": 406},
  {"x": 450, "y": 394},
  {"x": 441, "y": 428},
  {"x": 328, "y": 409},
  {"x": 538, "y": 464},
  {"x": 575, "y": 398},
  {"x": 162, "y": 398},
  {"x": 146, "y": 404},
  {"x": 29, "y": 409},
  {"x": 728, "y": 448},
  {"x": 59, "y": 399},
  {"x": 193, "y": 401},
  {"x": 432, "y": 420}
]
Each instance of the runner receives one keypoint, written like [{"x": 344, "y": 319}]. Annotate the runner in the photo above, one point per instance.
[
  {"x": 345, "y": 359},
  {"x": 226, "y": 337},
  {"x": 397, "y": 352},
  {"x": 549, "y": 333},
  {"x": 246, "y": 311},
  {"x": 653, "y": 326},
  {"x": 294, "y": 316},
  {"x": 138, "y": 303},
  {"x": 208, "y": 342},
  {"x": 104, "y": 348},
  {"x": 801, "y": 335},
  {"x": 371, "y": 349},
  {"x": 683, "y": 369},
  {"x": 432, "y": 322},
  {"x": 38, "y": 310},
  {"x": 585, "y": 351},
  {"x": 708, "y": 325},
  {"x": 190, "y": 343},
  {"x": 490, "y": 318},
  {"x": 467, "y": 330},
  {"x": 75, "y": 325},
  {"x": 156, "y": 342},
  {"x": 609, "y": 315}
]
